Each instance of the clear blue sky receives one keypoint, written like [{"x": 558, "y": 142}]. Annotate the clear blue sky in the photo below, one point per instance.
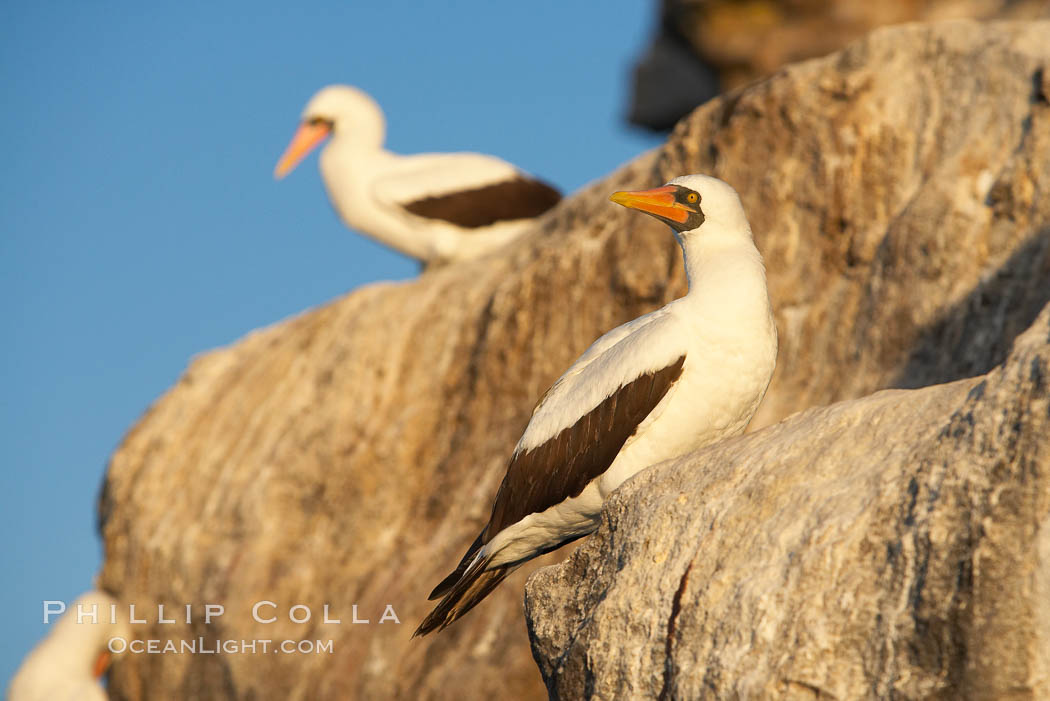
[{"x": 141, "y": 224}]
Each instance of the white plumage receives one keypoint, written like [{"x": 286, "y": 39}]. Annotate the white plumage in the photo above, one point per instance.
[
  {"x": 436, "y": 207},
  {"x": 66, "y": 665},
  {"x": 703, "y": 362}
]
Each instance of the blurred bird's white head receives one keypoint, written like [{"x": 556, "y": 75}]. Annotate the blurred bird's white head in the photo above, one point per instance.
[
  {"x": 347, "y": 108},
  {"x": 691, "y": 204},
  {"x": 74, "y": 654},
  {"x": 337, "y": 111},
  {"x": 88, "y": 638}
]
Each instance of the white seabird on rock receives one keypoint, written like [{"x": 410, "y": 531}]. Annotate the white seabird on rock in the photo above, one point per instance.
[
  {"x": 436, "y": 207},
  {"x": 669, "y": 382},
  {"x": 67, "y": 664}
]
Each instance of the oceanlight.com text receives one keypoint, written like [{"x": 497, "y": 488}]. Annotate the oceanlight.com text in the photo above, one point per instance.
[{"x": 200, "y": 646}]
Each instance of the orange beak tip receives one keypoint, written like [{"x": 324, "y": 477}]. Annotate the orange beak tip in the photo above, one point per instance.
[
  {"x": 305, "y": 140},
  {"x": 101, "y": 663}
]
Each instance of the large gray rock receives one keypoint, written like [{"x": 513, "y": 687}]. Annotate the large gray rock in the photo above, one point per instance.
[
  {"x": 895, "y": 546},
  {"x": 899, "y": 192}
]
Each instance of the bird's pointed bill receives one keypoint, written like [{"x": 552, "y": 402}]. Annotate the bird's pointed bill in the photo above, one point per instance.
[
  {"x": 305, "y": 140},
  {"x": 101, "y": 663},
  {"x": 659, "y": 201}
]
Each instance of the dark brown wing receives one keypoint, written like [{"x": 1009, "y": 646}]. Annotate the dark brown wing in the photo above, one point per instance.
[
  {"x": 560, "y": 468},
  {"x": 517, "y": 198},
  {"x": 546, "y": 475}
]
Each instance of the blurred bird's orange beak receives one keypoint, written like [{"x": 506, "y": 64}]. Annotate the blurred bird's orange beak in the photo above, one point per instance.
[
  {"x": 303, "y": 142},
  {"x": 659, "y": 201},
  {"x": 101, "y": 663}
]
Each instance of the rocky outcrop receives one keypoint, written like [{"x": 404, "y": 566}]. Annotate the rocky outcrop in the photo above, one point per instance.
[
  {"x": 703, "y": 47},
  {"x": 898, "y": 191},
  {"x": 895, "y": 546}
]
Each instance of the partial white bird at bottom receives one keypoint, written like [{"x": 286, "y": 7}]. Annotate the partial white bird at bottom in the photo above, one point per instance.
[{"x": 68, "y": 663}]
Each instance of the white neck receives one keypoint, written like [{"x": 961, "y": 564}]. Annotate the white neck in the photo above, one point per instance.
[
  {"x": 725, "y": 271},
  {"x": 347, "y": 166}
]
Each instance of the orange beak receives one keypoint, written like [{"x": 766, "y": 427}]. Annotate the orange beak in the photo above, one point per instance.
[
  {"x": 659, "y": 201},
  {"x": 101, "y": 663},
  {"x": 303, "y": 142}
]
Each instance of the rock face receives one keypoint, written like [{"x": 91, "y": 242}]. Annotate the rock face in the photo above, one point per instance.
[
  {"x": 702, "y": 47},
  {"x": 895, "y": 546},
  {"x": 898, "y": 191}
]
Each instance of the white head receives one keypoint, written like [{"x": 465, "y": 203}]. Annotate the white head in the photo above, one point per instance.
[
  {"x": 341, "y": 111},
  {"x": 89, "y": 639},
  {"x": 691, "y": 204},
  {"x": 72, "y": 651}
]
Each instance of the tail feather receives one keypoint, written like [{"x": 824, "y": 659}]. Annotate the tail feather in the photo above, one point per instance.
[
  {"x": 472, "y": 587},
  {"x": 448, "y": 582}
]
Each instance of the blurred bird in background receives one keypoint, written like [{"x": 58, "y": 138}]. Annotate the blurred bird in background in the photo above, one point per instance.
[{"x": 435, "y": 207}]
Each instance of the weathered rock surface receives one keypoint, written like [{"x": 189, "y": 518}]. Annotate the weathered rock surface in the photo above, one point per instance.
[
  {"x": 895, "y": 546},
  {"x": 703, "y": 47},
  {"x": 898, "y": 191}
]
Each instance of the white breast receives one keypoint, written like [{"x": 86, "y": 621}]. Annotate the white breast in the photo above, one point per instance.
[{"x": 726, "y": 325}]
